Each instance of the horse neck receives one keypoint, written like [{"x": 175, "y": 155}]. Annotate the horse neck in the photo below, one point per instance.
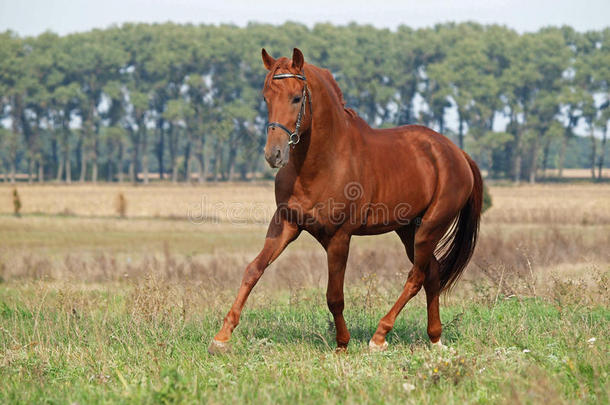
[{"x": 327, "y": 133}]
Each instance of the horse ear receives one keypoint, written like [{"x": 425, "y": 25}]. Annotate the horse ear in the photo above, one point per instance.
[
  {"x": 297, "y": 59},
  {"x": 268, "y": 60}
]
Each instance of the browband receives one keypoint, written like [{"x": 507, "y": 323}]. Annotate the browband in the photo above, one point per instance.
[{"x": 289, "y": 75}]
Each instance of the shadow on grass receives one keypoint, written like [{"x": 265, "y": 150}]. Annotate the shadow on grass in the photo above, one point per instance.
[{"x": 315, "y": 327}]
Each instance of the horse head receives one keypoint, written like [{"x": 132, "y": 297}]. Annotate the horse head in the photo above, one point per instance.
[{"x": 287, "y": 98}]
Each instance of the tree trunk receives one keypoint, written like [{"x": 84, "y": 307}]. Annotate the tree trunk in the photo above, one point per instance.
[
  {"x": 545, "y": 157},
  {"x": 120, "y": 163},
  {"x": 83, "y": 164},
  {"x": 603, "y": 152},
  {"x": 135, "y": 156},
  {"x": 593, "y": 151},
  {"x": 54, "y": 156},
  {"x": 144, "y": 153},
  {"x": 173, "y": 146},
  {"x": 534, "y": 161},
  {"x": 461, "y": 133},
  {"x": 231, "y": 162},
  {"x": 490, "y": 161},
  {"x": 68, "y": 165},
  {"x": 13, "y": 170},
  {"x": 517, "y": 150},
  {"x": 60, "y": 167},
  {"x": 217, "y": 161},
  {"x": 40, "y": 171},
  {"x": 562, "y": 153},
  {"x": 187, "y": 161},
  {"x": 517, "y": 168},
  {"x": 243, "y": 171},
  {"x": 16, "y": 112},
  {"x": 160, "y": 146},
  {"x": 30, "y": 170},
  {"x": 201, "y": 162},
  {"x": 94, "y": 167},
  {"x": 174, "y": 170},
  {"x": 109, "y": 171}
]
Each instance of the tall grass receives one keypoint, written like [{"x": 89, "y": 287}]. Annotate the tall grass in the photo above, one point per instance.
[
  {"x": 94, "y": 308},
  {"x": 147, "y": 343}
]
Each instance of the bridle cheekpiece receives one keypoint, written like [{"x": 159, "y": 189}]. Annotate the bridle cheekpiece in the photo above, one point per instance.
[{"x": 293, "y": 137}]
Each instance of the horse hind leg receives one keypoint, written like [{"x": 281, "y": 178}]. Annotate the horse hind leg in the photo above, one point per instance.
[
  {"x": 431, "y": 284},
  {"x": 425, "y": 272},
  {"x": 412, "y": 286},
  {"x": 432, "y": 287}
]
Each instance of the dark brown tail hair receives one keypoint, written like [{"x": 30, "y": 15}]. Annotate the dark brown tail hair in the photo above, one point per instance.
[{"x": 455, "y": 248}]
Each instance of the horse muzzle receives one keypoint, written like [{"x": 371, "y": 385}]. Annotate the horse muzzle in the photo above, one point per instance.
[{"x": 278, "y": 156}]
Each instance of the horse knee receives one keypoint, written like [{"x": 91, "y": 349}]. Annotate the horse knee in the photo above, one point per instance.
[
  {"x": 252, "y": 274},
  {"x": 335, "y": 306}
]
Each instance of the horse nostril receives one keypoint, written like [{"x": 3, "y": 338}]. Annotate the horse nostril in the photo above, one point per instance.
[{"x": 277, "y": 154}]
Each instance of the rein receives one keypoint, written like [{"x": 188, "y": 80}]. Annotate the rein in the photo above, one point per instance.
[{"x": 293, "y": 137}]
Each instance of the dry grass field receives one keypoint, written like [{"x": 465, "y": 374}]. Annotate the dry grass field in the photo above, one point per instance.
[{"x": 96, "y": 307}]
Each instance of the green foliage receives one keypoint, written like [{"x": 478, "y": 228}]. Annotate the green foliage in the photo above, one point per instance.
[{"x": 195, "y": 91}]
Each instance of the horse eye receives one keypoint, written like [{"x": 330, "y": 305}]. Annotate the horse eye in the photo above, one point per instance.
[{"x": 296, "y": 99}]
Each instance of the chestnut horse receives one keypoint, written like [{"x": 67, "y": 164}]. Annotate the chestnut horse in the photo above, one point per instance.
[{"x": 339, "y": 177}]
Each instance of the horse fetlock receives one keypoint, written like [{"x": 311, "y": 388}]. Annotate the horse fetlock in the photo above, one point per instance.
[
  {"x": 384, "y": 327},
  {"x": 336, "y": 307},
  {"x": 343, "y": 341},
  {"x": 434, "y": 333}
]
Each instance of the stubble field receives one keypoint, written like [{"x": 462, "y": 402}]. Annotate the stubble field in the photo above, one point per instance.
[{"x": 99, "y": 308}]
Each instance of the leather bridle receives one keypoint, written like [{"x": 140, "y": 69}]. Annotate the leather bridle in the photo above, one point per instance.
[{"x": 293, "y": 137}]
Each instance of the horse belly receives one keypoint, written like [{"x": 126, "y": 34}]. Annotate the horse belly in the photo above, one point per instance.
[{"x": 377, "y": 218}]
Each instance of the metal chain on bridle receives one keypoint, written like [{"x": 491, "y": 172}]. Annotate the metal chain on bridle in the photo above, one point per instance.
[{"x": 293, "y": 137}]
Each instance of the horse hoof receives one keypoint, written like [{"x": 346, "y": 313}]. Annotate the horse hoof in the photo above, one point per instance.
[
  {"x": 217, "y": 347},
  {"x": 440, "y": 346},
  {"x": 374, "y": 347},
  {"x": 341, "y": 350}
]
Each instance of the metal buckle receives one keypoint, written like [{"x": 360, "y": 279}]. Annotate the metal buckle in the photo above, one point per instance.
[{"x": 294, "y": 138}]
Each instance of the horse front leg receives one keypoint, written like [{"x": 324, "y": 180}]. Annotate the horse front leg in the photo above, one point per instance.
[
  {"x": 280, "y": 233},
  {"x": 337, "y": 252}
]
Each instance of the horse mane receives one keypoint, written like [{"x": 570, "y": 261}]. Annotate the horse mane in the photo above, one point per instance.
[{"x": 337, "y": 90}]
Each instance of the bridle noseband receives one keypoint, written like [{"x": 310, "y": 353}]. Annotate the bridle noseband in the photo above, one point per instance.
[{"x": 293, "y": 137}]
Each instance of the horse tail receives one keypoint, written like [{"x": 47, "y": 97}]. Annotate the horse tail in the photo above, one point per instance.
[{"x": 456, "y": 247}]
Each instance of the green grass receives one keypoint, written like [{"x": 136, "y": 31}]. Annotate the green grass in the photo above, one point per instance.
[
  {"x": 147, "y": 343},
  {"x": 97, "y": 309}
]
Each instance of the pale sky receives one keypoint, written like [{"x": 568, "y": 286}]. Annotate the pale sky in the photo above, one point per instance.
[{"x": 31, "y": 17}]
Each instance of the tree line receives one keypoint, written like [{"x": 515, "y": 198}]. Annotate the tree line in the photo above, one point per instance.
[{"x": 183, "y": 102}]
